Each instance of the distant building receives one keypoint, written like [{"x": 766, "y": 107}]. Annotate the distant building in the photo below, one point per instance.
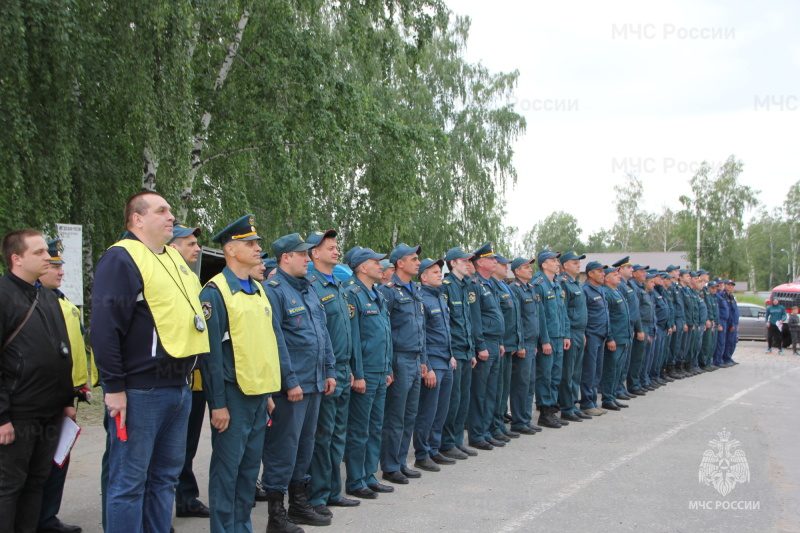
[{"x": 659, "y": 260}]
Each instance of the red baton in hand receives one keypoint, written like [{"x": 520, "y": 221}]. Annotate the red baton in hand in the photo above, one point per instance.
[{"x": 122, "y": 433}]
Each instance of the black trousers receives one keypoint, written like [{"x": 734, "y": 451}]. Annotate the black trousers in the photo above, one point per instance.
[
  {"x": 774, "y": 337},
  {"x": 25, "y": 464},
  {"x": 52, "y": 493},
  {"x": 187, "y": 492}
]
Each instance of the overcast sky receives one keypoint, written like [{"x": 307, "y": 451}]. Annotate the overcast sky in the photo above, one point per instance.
[{"x": 650, "y": 87}]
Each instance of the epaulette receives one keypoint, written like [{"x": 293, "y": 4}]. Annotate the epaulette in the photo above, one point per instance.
[
  {"x": 517, "y": 283},
  {"x": 446, "y": 281},
  {"x": 212, "y": 285},
  {"x": 274, "y": 283},
  {"x": 389, "y": 284},
  {"x": 538, "y": 281},
  {"x": 312, "y": 278}
]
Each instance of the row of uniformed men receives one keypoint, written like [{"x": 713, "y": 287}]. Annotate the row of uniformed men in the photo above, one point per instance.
[
  {"x": 353, "y": 368},
  {"x": 442, "y": 345}
]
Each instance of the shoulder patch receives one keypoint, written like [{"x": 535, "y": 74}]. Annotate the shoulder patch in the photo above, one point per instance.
[
  {"x": 352, "y": 309},
  {"x": 206, "y": 309},
  {"x": 472, "y": 297}
]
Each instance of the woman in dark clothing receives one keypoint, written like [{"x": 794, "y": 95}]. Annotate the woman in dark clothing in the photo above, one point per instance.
[{"x": 776, "y": 314}]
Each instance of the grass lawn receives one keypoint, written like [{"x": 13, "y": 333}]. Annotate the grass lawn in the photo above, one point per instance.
[
  {"x": 92, "y": 415},
  {"x": 750, "y": 299}
]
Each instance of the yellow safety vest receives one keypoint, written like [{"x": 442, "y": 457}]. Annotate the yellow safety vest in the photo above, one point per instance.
[
  {"x": 173, "y": 297},
  {"x": 80, "y": 372},
  {"x": 255, "y": 348}
]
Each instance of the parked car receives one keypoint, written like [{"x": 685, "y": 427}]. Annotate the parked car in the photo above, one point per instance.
[{"x": 751, "y": 322}]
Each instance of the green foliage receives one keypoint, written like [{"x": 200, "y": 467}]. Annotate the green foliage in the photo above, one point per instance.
[
  {"x": 720, "y": 203},
  {"x": 558, "y": 232},
  {"x": 361, "y": 116}
]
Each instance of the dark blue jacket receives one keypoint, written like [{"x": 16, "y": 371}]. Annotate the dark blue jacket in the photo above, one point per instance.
[
  {"x": 596, "y": 310},
  {"x": 407, "y": 316},
  {"x": 678, "y": 303},
  {"x": 662, "y": 308},
  {"x": 437, "y": 328},
  {"x": 619, "y": 329},
  {"x": 123, "y": 331},
  {"x": 513, "y": 339},
  {"x": 576, "y": 304},
  {"x": 631, "y": 290},
  {"x": 304, "y": 345},
  {"x": 724, "y": 306},
  {"x": 491, "y": 326},
  {"x": 461, "y": 295},
  {"x": 530, "y": 307}
]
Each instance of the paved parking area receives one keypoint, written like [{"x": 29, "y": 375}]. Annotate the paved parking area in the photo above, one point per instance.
[{"x": 633, "y": 470}]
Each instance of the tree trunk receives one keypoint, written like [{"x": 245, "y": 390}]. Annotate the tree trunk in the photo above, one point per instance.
[
  {"x": 199, "y": 142},
  {"x": 149, "y": 170}
]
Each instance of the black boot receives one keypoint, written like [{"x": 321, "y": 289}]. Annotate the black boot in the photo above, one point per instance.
[
  {"x": 546, "y": 419},
  {"x": 665, "y": 377},
  {"x": 278, "y": 521},
  {"x": 300, "y": 511}
]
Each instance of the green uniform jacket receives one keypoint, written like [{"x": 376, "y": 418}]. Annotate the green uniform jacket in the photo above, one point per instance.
[
  {"x": 370, "y": 330},
  {"x": 461, "y": 295},
  {"x": 553, "y": 322}
]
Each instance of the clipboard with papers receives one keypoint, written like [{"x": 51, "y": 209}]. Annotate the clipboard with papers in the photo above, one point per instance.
[{"x": 69, "y": 434}]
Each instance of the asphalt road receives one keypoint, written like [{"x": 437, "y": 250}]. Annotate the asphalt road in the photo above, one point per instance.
[{"x": 633, "y": 470}]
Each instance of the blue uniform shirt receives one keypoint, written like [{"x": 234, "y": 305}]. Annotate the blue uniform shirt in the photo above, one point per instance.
[
  {"x": 333, "y": 298},
  {"x": 371, "y": 330},
  {"x": 407, "y": 316},
  {"x": 304, "y": 345},
  {"x": 437, "y": 328},
  {"x": 596, "y": 309}
]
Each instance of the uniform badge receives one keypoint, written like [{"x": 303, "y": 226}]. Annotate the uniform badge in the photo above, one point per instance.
[
  {"x": 266, "y": 310},
  {"x": 206, "y": 309},
  {"x": 352, "y": 309},
  {"x": 472, "y": 298},
  {"x": 74, "y": 312},
  {"x": 294, "y": 302},
  {"x": 183, "y": 269},
  {"x": 444, "y": 295},
  {"x": 60, "y": 246},
  {"x": 252, "y": 220}
]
